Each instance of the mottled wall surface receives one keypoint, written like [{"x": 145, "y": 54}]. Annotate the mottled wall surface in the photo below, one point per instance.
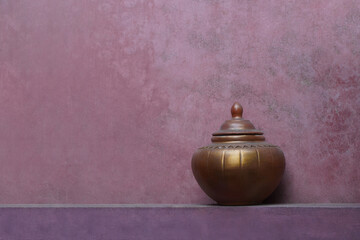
[{"x": 105, "y": 101}]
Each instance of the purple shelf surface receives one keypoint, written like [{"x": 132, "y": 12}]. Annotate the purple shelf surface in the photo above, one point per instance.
[{"x": 133, "y": 221}]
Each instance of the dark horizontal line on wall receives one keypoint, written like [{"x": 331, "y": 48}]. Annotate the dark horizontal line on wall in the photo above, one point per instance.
[{"x": 297, "y": 205}]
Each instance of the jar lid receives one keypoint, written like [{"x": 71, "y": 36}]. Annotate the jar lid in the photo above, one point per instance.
[{"x": 237, "y": 125}]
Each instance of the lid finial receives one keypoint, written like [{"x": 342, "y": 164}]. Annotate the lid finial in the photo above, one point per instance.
[{"x": 236, "y": 110}]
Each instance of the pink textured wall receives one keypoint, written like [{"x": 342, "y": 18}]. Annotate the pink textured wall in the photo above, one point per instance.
[{"x": 105, "y": 101}]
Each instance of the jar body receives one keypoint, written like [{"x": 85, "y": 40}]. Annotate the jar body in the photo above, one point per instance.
[{"x": 238, "y": 173}]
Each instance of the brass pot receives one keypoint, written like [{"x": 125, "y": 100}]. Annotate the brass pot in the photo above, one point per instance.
[{"x": 239, "y": 167}]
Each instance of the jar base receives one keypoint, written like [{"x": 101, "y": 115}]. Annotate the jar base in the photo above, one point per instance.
[{"x": 238, "y": 203}]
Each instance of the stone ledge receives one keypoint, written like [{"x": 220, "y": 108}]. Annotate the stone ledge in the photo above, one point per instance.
[{"x": 169, "y": 221}]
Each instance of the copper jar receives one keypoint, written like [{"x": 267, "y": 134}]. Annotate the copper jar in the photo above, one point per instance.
[{"x": 239, "y": 167}]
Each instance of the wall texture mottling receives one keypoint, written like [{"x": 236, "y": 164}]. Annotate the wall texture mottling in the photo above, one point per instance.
[{"x": 105, "y": 101}]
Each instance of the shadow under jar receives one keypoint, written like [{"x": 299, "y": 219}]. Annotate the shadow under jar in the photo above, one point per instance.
[{"x": 239, "y": 167}]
